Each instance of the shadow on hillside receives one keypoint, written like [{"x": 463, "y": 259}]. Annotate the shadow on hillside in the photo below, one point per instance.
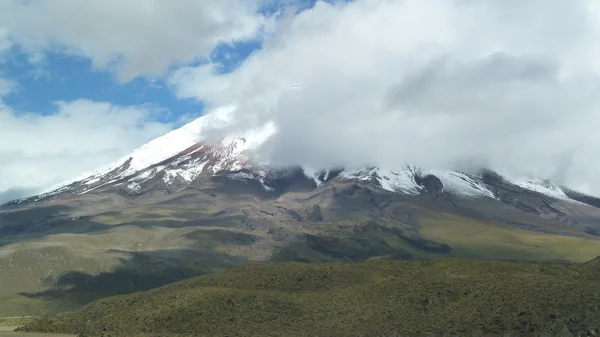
[
  {"x": 143, "y": 271},
  {"x": 367, "y": 241},
  {"x": 28, "y": 224},
  {"x": 20, "y": 221}
]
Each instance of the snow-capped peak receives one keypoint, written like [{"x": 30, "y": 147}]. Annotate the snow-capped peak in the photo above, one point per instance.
[
  {"x": 162, "y": 147},
  {"x": 182, "y": 155}
]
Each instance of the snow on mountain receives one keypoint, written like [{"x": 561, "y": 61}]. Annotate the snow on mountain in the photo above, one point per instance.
[
  {"x": 405, "y": 181},
  {"x": 195, "y": 155},
  {"x": 542, "y": 186},
  {"x": 402, "y": 181},
  {"x": 186, "y": 173},
  {"x": 181, "y": 156},
  {"x": 312, "y": 174},
  {"x": 160, "y": 148},
  {"x": 460, "y": 184}
]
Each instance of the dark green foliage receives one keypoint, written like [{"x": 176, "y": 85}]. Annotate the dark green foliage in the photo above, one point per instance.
[
  {"x": 378, "y": 297},
  {"x": 144, "y": 271},
  {"x": 316, "y": 214},
  {"x": 295, "y": 215}
]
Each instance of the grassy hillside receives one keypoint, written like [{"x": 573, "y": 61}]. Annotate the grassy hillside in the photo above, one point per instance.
[
  {"x": 376, "y": 297},
  {"x": 484, "y": 239},
  {"x": 62, "y": 272},
  {"x": 62, "y": 255}
]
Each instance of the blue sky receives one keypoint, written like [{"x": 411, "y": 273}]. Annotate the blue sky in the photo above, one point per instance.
[
  {"x": 75, "y": 92},
  {"x": 475, "y": 83},
  {"x": 61, "y": 76},
  {"x": 65, "y": 77}
]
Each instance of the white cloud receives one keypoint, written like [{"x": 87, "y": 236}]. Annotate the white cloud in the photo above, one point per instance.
[
  {"x": 511, "y": 85},
  {"x": 41, "y": 150},
  {"x": 6, "y": 87},
  {"x": 5, "y": 42},
  {"x": 133, "y": 37}
]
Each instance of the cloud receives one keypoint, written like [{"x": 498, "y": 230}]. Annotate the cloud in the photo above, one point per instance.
[
  {"x": 6, "y": 87},
  {"x": 15, "y": 193},
  {"x": 5, "y": 43},
  {"x": 510, "y": 85},
  {"x": 41, "y": 150},
  {"x": 130, "y": 38}
]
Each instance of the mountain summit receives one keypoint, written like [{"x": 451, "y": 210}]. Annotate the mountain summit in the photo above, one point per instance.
[
  {"x": 176, "y": 160},
  {"x": 196, "y": 201}
]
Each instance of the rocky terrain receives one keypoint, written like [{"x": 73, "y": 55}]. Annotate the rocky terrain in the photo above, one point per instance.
[{"x": 185, "y": 205}]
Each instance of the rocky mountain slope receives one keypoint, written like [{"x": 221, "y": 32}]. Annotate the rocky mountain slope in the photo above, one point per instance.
[
  {"x": 185, "y": 155},
  {"x": 194, "y": 202}
]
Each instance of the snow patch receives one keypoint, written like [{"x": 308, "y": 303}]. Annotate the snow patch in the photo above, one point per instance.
[
  {"x": 180, "y": 160},
  {"x": 92, "y": 181},
  {"x": 360, "y": 175},
  {"x": 312, "y": 174},
  {"x": 402, "y": 181},
  {"x": 460, "y": 184},
  {"x": 144, "y": 175},
  {"x": 242, "y": 176},
  {"x": 544, "y": 187},
  {"x": 187, "y": 173},
  {"x": 133, "y": 187},
  {"x": 163, "y": 147}
]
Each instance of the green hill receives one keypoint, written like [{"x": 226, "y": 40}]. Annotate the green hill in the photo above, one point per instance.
[{"x": 376, "y": 297}]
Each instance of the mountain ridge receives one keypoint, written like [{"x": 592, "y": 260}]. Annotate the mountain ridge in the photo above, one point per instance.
[
  {"x": 175, "y": 157},
  {"x": 207, "y": 204}
]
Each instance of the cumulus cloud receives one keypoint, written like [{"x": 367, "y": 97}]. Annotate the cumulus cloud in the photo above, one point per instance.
[
  {"x": 6, "y": 87},
  {"x": 133, "y": 37},
  {"x": 5, "y": 42},
  {"x": 15, "y": 193},
  {"x": 41, "y": 150},
  {"x": 509, "y": 85}
]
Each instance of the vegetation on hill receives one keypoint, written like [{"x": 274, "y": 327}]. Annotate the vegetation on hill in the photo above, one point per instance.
[
  {"x": 375, "y": 297},
  {"x": 60, "y": 256}
]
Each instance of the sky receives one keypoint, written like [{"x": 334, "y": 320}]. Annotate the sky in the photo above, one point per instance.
[{"x": 463, "y": 84}]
